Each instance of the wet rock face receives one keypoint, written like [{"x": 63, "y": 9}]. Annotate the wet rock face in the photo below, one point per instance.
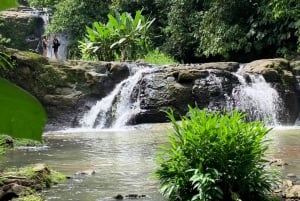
[
  {"x": 181, "y": 86},
  {"x": 32, "y": 27}
]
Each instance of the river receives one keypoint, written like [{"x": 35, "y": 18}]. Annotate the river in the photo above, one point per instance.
[{"x": 123, "y": 160}]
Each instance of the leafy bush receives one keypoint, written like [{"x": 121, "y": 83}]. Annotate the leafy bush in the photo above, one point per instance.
[
  {"x": 215, "y": 156},
  {"x": 123, "y": 37}
]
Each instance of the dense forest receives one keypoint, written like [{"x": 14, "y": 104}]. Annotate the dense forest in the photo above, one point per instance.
[{"x": 192, "y": 30}]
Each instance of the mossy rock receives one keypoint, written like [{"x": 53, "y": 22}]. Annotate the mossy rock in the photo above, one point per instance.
[
  {"x": 27, "y": 29},
  {"x": 24, "y": 182},
  {"x": 295, "y": 65}
]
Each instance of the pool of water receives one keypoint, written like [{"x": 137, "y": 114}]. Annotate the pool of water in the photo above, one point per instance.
[{"x": 123, "y": 160}]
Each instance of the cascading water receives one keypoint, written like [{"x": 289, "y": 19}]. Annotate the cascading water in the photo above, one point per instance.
[
  {"x": 63, "y": 38},
  {"x": 117, "y": 108},
  {"x": 253, "y": 95},
  {"x": 256, "y": 97}
]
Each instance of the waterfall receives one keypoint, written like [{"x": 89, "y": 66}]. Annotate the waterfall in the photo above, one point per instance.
[
  {"x": 62, "y": 37},
  {"x": 256, "y": 97},
  {"x": 117, "y": 108},
  {"x": 252, "y": 95}
]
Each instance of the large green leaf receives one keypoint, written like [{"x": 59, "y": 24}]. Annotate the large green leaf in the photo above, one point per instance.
[
  {"x": 5, "y": 4},
  {"x": 21, "y": 115}
]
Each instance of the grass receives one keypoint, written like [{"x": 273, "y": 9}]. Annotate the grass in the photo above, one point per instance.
[{"x": 159, "y": 58}]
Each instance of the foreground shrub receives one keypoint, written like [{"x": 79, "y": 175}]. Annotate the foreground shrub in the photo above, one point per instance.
[{"x": 215, "y": 156}]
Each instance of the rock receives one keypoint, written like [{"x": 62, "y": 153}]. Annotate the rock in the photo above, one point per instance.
[
  {"x": 32, "y": 27},
  {"x": 228, "y": 66},
  {"x": 271, "y": 69},
  {"x": 277, "y": 162},
  {"x": 5, "y": 196},
  {"x": 118, "y": 197},
  {"x": 129, "y": 196},
  {"x": 118, "y": 71},
  {"x": 86, "y": 172},
  {"x": 292, "y": 192}
]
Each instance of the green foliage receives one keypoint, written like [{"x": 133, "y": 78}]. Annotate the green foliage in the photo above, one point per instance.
[
  {"x": 123, "y": 37},
  {"x": 183, "y": 18},
  {"x": 215, "y": 156},
  {"x": 156, "y": 9},
  {"x": 21, "y": 116},
  {"x": 6, "y": 4},
  {"x": 30, "y": 198},
  {"x": 223, "y": 28},
  {"x": 159, "y": 58},
  {"x": 288, "y": 9},
  {"x": 5, "y": 61},
  {"x": 39, "y": 174},
  {"x": 43, "y": 3}
]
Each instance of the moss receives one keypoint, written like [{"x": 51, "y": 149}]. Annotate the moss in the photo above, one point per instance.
[
  {"x": 39, "y": 175},
  {"x": 49, "y": 75},
  {"x": 30, "y": 198}
]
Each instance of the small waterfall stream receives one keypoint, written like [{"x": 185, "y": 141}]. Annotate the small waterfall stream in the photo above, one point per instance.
[
  {"x": 116, "y": 109},
  {"x": 62, "y": 37},
  {"x": 256, "y": 97}
]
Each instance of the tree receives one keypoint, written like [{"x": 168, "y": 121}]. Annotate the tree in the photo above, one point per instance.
[
  {"x": 21, "y": 115},
  {"x": 183, "y": 20},
  {"x": 43, "y": 3},
  {"x": 241, "y": 27},
  {"x": 288, "y": 9}
]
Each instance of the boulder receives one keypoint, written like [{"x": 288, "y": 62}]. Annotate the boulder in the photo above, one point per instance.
[
  {"x": 177, "y": 87},
  {"x": 271, "y": 69}
]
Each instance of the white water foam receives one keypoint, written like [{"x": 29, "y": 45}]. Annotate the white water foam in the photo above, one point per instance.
[{"x": 257, "y": 98}]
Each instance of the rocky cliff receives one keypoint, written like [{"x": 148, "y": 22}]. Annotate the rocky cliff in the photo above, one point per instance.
[
  {"x": 23, "y": 26},
  {"x": 69, "y": 88}
]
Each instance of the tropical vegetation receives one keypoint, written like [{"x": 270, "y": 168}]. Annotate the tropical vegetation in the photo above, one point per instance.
[
  {"x": 194, "y": 30},
  {"x": 122, "y": 37},
  {"x": 215, "y": 156}
]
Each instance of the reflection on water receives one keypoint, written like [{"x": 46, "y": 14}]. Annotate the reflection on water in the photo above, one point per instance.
[{"x": 123, "y": 160}]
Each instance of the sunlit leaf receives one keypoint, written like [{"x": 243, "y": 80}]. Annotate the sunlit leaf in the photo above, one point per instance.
[{"x": 21, "y": 114}]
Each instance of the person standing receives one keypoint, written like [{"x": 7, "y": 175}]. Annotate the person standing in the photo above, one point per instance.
[
  {"x": 45, "y": 45},
  {"x": 55, "y": 45}
]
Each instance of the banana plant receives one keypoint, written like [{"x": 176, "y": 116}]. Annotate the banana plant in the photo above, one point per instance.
[
  {"x": 123, "y": 37},
  {"x": 21, "y": 114}
]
